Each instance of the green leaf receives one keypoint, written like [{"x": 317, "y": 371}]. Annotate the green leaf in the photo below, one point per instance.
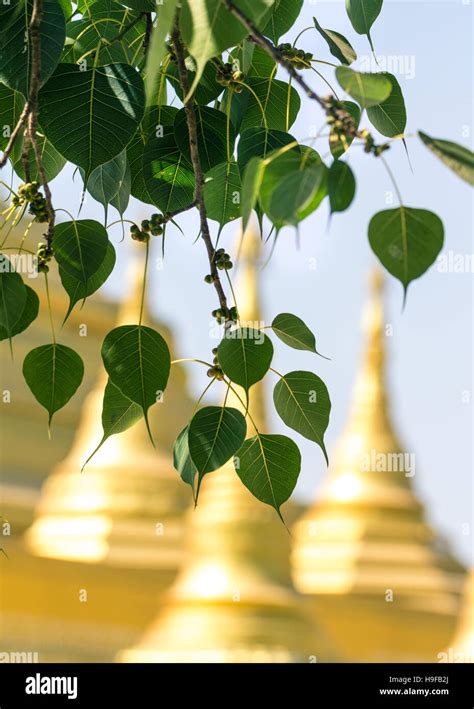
[
  {"x": 137, "y": 360},
  {"x": 456, "y": 157},
  {"x": 105, "y": 180},
  {"x": 341, "y": 186},
  {"x": 294, "y": 194},
  {"x": 13, "y": 295},
  {"x": 294, "y": 332},
  {"x": 340, "y": 144},
  {"x": 53, "y": 373},
  {"x": 207, "y": 89},
  {"x": 245, "y": 355},
  {"x": 406, "y": 241},
  {"x": 283, "y": 17},
  {"x": 101, "y": 107},
  {"x": 182, "y": 458},
  {"x": 259, "y": 142},
  {"x": 118, "y": 414},
  {"x": 80, "y": 247},
  {"x": 362, "y": 14},
  {"x": 222, "y": 193},
  {"x": 165, "y": 15},
  {"x": 390, "y": 116},
  {"x": 268, "y": 106},
  {"x": 302, "y": 402},
  {"x": 77, "y": 290},
  {"x": 367, "y": 89},
  {"x": 269, "y": 466},
  {"x": 339, "y": 46},
  {"x": 11, "y": 106},
  {"x": 29, "y": 314},
  {"x": 52, "y": 161},
  {"x": 212, "y": 136},
  {"x": 215, "y": 434},
  {"x": 15, "y": 42},
  {"x": 121, "y": 199},
  {"x": 168, "y": 176},
  {"x": 253, "y": 177}
]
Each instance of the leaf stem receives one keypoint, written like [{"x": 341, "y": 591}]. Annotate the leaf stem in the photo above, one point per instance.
[
  {"x": 48, "y": 298},
  {"x": 145, "y": 270},
  {"x": 392, "y": 178}
]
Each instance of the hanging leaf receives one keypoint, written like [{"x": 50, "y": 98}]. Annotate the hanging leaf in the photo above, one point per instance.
[
  {"x": 294, "y": 332},
  {"x": 29, "y": 314},
  {"x": 102, "y": 107},
  {"x": 214, "y": 142},
  {"x": 13, "y": 295},
  {"x": 182, "y": 459},
  {"x": 80, "y": 247},
  {"x": 390, "y": 116},
  {"x": 15, "y": 42},
  {"x": 222, "y": 193},
  {"x": 269, "y": 466},
  {"x": 339, "y": 144},
  {"x": 341, "y": 186},
  {"x": 338, "y": 45},
  {"x": 121, "y": 199},
  {"x": 302, "y": 402},
  {"x": 362, "y": 14},
  {"x": 253, "y": 178},
  {"x": 245, "y": 355},
  {"x": 11, "y": 106},
  {"x": 456, "y": 157},
  {"x": 259, "y": 142},
  {"x": 166, "y": 12},
  {"x": 283, "y": 17},
  {"x": 104, "y": 181},
  {"x": 406, "y": 241},
  {"x": 77, "y": 290},
  {"x": 272, "y": 105},
  {"x": 137, "y": 360},
  {"x": 207, "y": 90},
  {"x": 367, "y": 89},
  {"x": 294, "y": 194},
  {"x": 118, "y": 415},
  {"x": 215, "y": 434},
  {"x": 53, "y": 373},
  {"x": 168, "y": 176},
  {"x": 51, "y": 160}
]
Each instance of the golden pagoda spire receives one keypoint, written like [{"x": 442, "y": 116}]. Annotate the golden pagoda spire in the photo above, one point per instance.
[
  {"x": 126, "y": 508},
  {"x": 364, "y": 545},
  {"x": 461, "y": 647},
  {"x": 233, "y": 600}
]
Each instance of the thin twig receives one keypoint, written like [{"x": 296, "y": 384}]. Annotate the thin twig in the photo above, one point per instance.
[
  {"x": 15, "y": 133},
  {"x": 148, "y": 29}
]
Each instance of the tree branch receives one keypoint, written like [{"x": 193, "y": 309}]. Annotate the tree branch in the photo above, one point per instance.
[{"x": 196, "y": 162}]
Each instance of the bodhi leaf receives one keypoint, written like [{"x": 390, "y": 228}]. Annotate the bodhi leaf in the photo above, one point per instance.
[
  {"x": 271, "y": 105},
  {"x": 338, "y": 45},
  {"x": 15, "y": 42},
  {"x": 29, "y": 314},
  {"x": 80, "y": 247},
  {"x": 165, "y": 15},
  {"x": 456, "y": 157},
  {"x": 182, "y": 458},
  {"x": 215, "y": 143},
  {"x": 53, "y": 373},
  {"x": 168, "y": 176},
  {"x": 269, "y": 466},
  {"x": 137, "y": 360},
  {"x": 245, "y": 355},
  {"x": 104, "y": 181},
  {"x": 102, "y": 108},
  {"x": 294, "y": 332},
  {"x": 253, "y": 177},
  {"x": 338, "y": 144},
  {"x": 341, "y": 186},
  {"x": 122, "y": 197},
  {"x": 302, "y": 402},
  {"x": 362, "y": 14},
  {"x": 406, "y": 241},
  {"x": 283, "y": 17},
  {"x": 294, "y": 195},
  {"x": 77, "y": 290},
  {"x": 206, "y": 91},
  {"x": 259, "y": 142},
  {"x": 118, "y": 414},
  {"x": 215, "y": 434},
  {"x": 366, "y": 89},
  {"x": 13, "y": 295},
  {"x": 222, "y": 193},
  {"x": 390, "y": 116}
]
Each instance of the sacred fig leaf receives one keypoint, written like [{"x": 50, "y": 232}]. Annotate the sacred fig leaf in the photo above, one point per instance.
[
  {"x": 122, "y": 197},
  {"x": 456, "y": 157},
  {"x": 215, "y": 137},
  {"x": 367, "y": 89},
  {"x": 271, "y": 104},
  {"x": 302, "y": 402},
  {"x": 166, "y": 12},
  {"x": 104, "y": 182},
  {"x": 341, "y": 186},
  {"x": 15, "y": 42},
  {"x": 53, "y": 373},
  {"x": 283, "y": 16},
  {"x": 406, "y": 241},
  {"x": 80, "y": 248},
  {"x": 137, "y": 360},
  {"x": 291, "y": 330},
  {"x": 259, "y": 142},
  {"x": 168, "y": 176},
  {"x": 245, "y": 355},
  {"x": 215, "y": 433},
  {"x": 294, "y": 194},
  {"x": 118, "y": 414},
  {"x": 252, "y": 182},
  {"x": 182, "y": 460},
  {"x": 29, "y": 314},
  {"x": 339, "y": 144},
  {"x": 13, "y": 295},
  {"x": 102, "y": 107},
  {"x": 339, "y": 46},
  {"x": 76, "y": 289},
  {"x": 222, "y": 193},
  {"x": 390, "y": 116},
  {"x": 269, "y": 466},
  {"x": 362, "y": 14},
  {"x": 51, "y": 160}
]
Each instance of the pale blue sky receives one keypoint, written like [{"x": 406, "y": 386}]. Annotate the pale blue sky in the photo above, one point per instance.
[{"x": 431, "y": 350}]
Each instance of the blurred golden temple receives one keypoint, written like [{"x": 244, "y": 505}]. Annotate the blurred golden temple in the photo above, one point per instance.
[{"x": 115, "y": 564}]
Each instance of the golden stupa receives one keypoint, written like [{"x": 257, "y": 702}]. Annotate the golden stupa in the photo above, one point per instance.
[
  {"x": 233, "y": 600},
  {"x": 384, "y": 586},
  {"x": 461, "y": 647}
]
